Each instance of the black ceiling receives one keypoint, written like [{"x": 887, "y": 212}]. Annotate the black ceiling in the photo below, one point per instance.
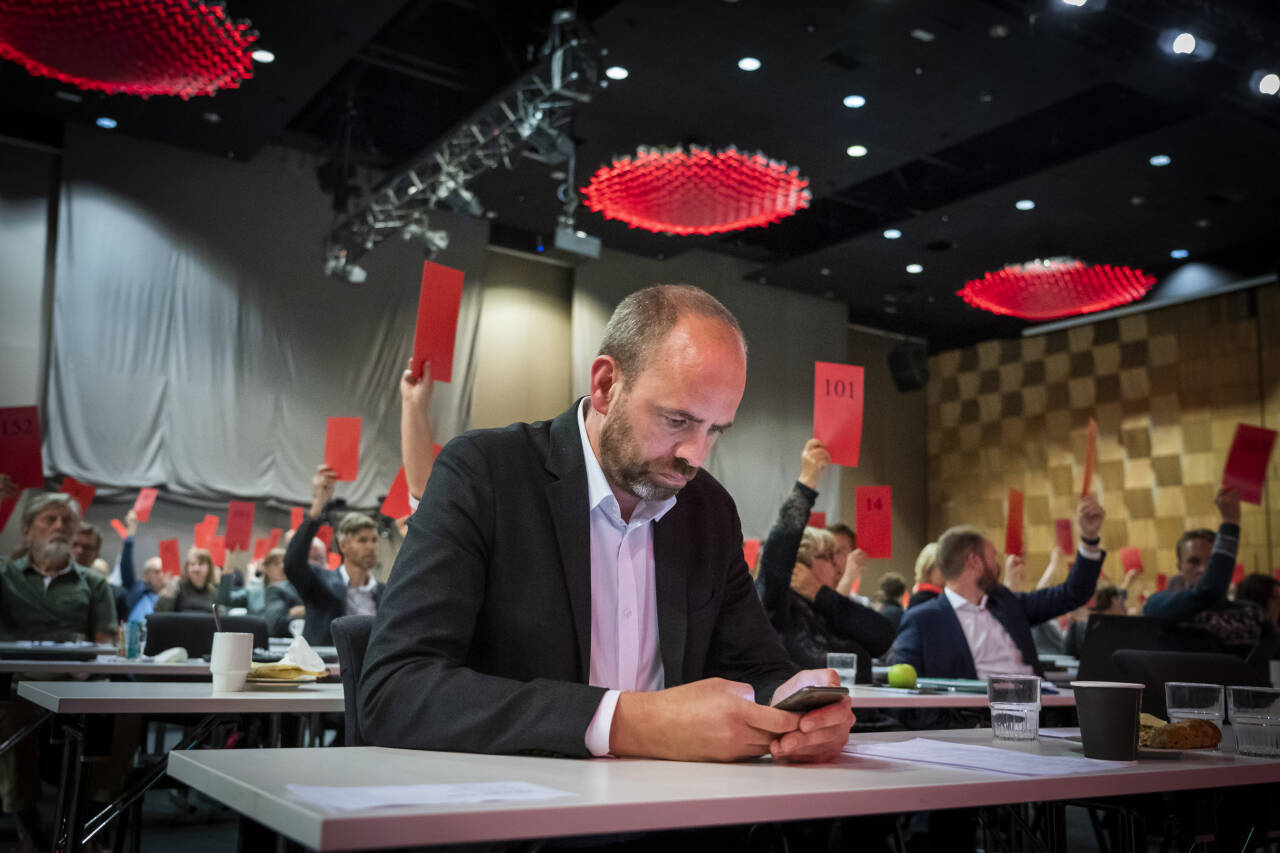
[{"x": 1011, "y": 99}]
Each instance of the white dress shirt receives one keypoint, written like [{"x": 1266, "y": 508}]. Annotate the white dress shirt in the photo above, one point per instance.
[
  {"x": 360, "y": 600},
  {"x": 624, "y": 604},
  {"x": 993, "y": 650}
]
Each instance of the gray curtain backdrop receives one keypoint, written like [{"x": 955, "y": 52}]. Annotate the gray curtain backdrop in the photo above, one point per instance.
[
  {"x": 757, "y": 460},
  {"x": 196, "y": 343}
]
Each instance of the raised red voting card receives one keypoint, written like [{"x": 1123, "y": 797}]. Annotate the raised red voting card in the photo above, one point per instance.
[
  {"x": 170, "y": 559},
  {"x": 146, "y": 500},
  {"x": 751, "y": 552},
  {"x": 1062, "y": 531},
  {"x": 1162, "y": 583},
  {"x": 837, "y": 410},
  {"x": 396, "y": 504},
  {"x": 82, "y": 492},
  {"x": 342, "y": 447},
  {"x": 817, "y": 519},
  {"x": 325, "y": 535},
  {"x": 335, "y": 560},
  {"x": 218, "y": 550},
  {"x": 260, "y": 548},
  {"x": 1013, "y": 525},
  {"x": 201, "y": 535},
  {"x": 1247, "y": 461},
  {"x": 1238, "y": 574},
  {"x": 875, "y": 520},
  {"x": 119, "y": 527},
  {"x": 273, "y": 538},
  {"x": 438, "y": 303},
  {"x": 1090, "y": 456},
  {"x": 295, "y": 517},
  {"x": 1131, "y": 559},
  {"x": 239, "y": 525},
  {"x": 20, "y": 446}
]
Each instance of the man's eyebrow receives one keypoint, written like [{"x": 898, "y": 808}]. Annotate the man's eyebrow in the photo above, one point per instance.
[{"x": 688, "y": 416}]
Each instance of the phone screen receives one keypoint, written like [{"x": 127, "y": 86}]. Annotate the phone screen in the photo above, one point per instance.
[{"x": 808, "y": 698}]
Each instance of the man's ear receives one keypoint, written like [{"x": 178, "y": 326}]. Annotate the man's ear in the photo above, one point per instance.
[{"x": 606, "y": 383}]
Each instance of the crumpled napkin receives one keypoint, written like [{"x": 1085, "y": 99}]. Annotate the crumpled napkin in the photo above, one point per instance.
[{"x": 301, "y": 655}]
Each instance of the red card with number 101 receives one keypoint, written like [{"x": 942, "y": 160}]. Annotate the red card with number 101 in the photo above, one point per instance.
[
  {"x": 875, "y": 520},
  {"x": 837, "y": 410}
]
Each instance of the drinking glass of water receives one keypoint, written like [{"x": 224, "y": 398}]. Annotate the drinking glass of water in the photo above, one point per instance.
[
  {"x": 1255, "y": 716},
  {"x": 1015, "y": 706},
  {"x": 845, "y": 665},
  {"x": 1187, "y": 700}
]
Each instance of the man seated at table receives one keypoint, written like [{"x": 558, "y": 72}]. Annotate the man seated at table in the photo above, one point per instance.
[
  {"x": 349, "y": 590},
  {"x": 577, "y": 586},
  {"x": 147, "y": 590},
  {"x": 283, "y": 604},
  {"x": 1198, "y": 615},
  {"x": 979, "y": 627},
  {"x": 44, "y": 595}
]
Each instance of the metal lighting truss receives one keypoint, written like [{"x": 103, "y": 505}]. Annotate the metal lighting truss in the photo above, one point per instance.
[{"x": 528, "y": 118}]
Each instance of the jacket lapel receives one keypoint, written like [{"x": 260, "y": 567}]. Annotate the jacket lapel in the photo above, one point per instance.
[
  {"x": 956, "y": 639},
  {"x": 669, "y": 587},
  {"x": 567, "y": 497}
]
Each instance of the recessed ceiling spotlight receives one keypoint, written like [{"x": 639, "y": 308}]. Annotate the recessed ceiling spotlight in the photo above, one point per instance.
[
  {"x": 1179, "y": 254},
  {"x": 892, "y": 233},
  {"x": 105, "y": 122},
  {"x": 998, "y": 31},
  {"x": 1025, "y": 204},
  {"x": 922, "y": 35},
  {"x": 616, "y": 72},
  {"x": 1180, "y": 43},
  {"x": 1202, "y": 223},
  {"x": 749, "y": 63},
  {"x": 1137, "y": 200},
  {"x": 824, "y": 271},
  {"x": 1159, "y": 160},
  {"x": 263, "y": 56},
  {"x": 915, "y": 269},
  {"x": 1265, "y": 82},
  {"x": 856, "y": 151},
  {"x": 1076, "y": 3},
  {"x": 212, "y": 117},
  {"x": 1184, "y": 43},
  {"x": 854, "y": 102}
]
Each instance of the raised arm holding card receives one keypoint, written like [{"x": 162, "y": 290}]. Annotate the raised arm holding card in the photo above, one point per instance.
[{"x": 416, "y": 439}]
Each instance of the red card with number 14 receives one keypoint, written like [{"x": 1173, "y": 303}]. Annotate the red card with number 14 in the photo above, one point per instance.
[
  {"x": 875, "y": 520},
  {"x": 837, "y": 410}
]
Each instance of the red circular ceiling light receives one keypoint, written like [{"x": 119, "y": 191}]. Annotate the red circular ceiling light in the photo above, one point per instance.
[
  {"x": 129, "y": 47},
  {"x": 669, "y": 191},
  {"x": 1057, "y": 287}
]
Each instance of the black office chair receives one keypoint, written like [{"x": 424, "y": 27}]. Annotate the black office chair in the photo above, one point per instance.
[
  {"x": 351, "y": 638},
  {"x": 1155, "y": 668},
  {"x": 194, "y": 631},
  {"x": 1108, "y": 633}
]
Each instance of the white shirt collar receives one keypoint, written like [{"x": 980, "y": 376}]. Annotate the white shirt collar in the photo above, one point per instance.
[
  {"x": 958, "y": 601},
  {"x": 599, "y": 494},
  {"x": 346, "y": 579}
]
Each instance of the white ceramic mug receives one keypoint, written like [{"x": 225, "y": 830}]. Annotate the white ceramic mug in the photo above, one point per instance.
[{"x": 230, "y": 660}]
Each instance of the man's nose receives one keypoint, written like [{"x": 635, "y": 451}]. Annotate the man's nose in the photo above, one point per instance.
[{"x": 694, "y": 450}]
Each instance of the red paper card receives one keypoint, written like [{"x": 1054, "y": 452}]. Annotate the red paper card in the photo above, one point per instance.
[
  {"x": 218, "y": 550},
  {"x": 1238, "y": 574},
  {"x": 260, "y": 548},
  {"x": 875, "y": 520},
  {"x": 335, "y": 560},
  {"x": 325, "y": 535},
  {"x": 342, "y": 447},
  {"x": 857, "y": 582},
  {"x": 295, "y": 517},
  {"x": 170, "y": 559},
  {"x": 1247, "y": 461},
  {"x": 1162, "y": 583},
  {"x": 818, "y": 519},
  {"x": 273, "y": 538},
  {"x": 82, "y": 492},
  {"x": 146, "y": 500},
  {"x": 435, "y": 450},
  {"x": 438, "y": 303},
  {"x": 202, "y": 534},
  {"x": 837, "y": 410},
  {"x": 751, "y": 552},
  {"x": 20, "y": 446},
  {"x": 211, "y": 522},
  {"x": 1062, "y": 530},
  {"x": 1131, "y": 558},
  {"x": 1013, "y": 525},
  {"x": 1090, "y": 456},
  {"x": 6, "y": 508},
  {"x": 120, "y": 528},
  {"x": 396, "y": 504},
  {"x": 239, "y": 525}
]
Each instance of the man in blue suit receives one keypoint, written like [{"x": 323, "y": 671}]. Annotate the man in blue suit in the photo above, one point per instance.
[{"x": 979, "y": 627}]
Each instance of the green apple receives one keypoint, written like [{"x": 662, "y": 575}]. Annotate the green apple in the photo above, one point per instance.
[{"x": 902, "y": 675}]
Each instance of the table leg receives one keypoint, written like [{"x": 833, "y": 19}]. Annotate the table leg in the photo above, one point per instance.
[
  {"x": 25, "y": 730},
  {"x": 66, "y": 823}
]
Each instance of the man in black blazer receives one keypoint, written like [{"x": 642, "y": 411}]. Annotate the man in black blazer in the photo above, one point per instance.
[{"x": 499, "y": 631}]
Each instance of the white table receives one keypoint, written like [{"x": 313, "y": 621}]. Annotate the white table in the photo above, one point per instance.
[
  {"x": 867, "y": 696},
  {"x": 114, "y": 665},
  {"x": 611, "y": 796}
]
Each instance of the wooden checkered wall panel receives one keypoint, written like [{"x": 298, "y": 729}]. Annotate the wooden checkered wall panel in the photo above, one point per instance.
[{"x": 1167, "y": 388}]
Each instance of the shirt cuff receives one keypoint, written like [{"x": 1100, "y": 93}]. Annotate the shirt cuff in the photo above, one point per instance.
[
  {"x": 597, "y": 738},
  {"x": 1090, "y": 553},
  {"x": 413, "y": 503}
]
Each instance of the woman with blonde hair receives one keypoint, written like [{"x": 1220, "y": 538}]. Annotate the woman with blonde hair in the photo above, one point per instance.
[
  {"x": 195, "y": 589},
  {"x": 929, "y": 580}
]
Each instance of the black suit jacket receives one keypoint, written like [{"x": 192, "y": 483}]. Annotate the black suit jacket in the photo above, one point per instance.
[
  {"x": 321, "y": 590},
  {"x": 482, "y": 641}
]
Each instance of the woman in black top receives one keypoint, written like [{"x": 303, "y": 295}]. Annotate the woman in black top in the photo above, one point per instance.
[{"x": 196, "y": 589}]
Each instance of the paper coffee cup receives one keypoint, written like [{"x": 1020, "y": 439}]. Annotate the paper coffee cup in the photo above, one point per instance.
[
  {"x": 1108, "y": 712},
  {"x": 229, "y": 682}
]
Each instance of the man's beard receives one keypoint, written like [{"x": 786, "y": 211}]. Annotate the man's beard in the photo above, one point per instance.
[
  {"x": 990, "y": 578},
  {"x": 621, "y": 464},
  {"x": 50, "y": 552}
]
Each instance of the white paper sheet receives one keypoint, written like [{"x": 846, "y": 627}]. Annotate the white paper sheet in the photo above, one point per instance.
[
  {"x": 975, "y": 757},
  {"x": 382, "y": 796},
  {"x": 1062, "y": 733}
]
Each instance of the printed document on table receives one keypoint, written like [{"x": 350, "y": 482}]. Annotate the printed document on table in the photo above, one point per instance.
[
  {"x": 975, "y": 757},
  {"x": 355, "y": 798}
]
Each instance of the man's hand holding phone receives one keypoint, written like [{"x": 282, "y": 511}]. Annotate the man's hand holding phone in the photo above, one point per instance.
[{"x": 822, "y": 732}]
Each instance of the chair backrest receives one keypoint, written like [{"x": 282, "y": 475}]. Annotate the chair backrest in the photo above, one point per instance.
[
  {"x": 1156, "y": 668},
  {"x": 194, "y": 631},
  {"x": 1106, "y": 634},
  {"x": 351, "y": 639}
]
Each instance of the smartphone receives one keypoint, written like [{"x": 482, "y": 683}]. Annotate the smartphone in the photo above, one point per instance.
[{"x": 808, "y": 698}]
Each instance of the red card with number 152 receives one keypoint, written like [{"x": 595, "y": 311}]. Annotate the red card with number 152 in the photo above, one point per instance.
[
  {"x": 837, "y": 410},
  {"x": 875, "y": 520}
]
